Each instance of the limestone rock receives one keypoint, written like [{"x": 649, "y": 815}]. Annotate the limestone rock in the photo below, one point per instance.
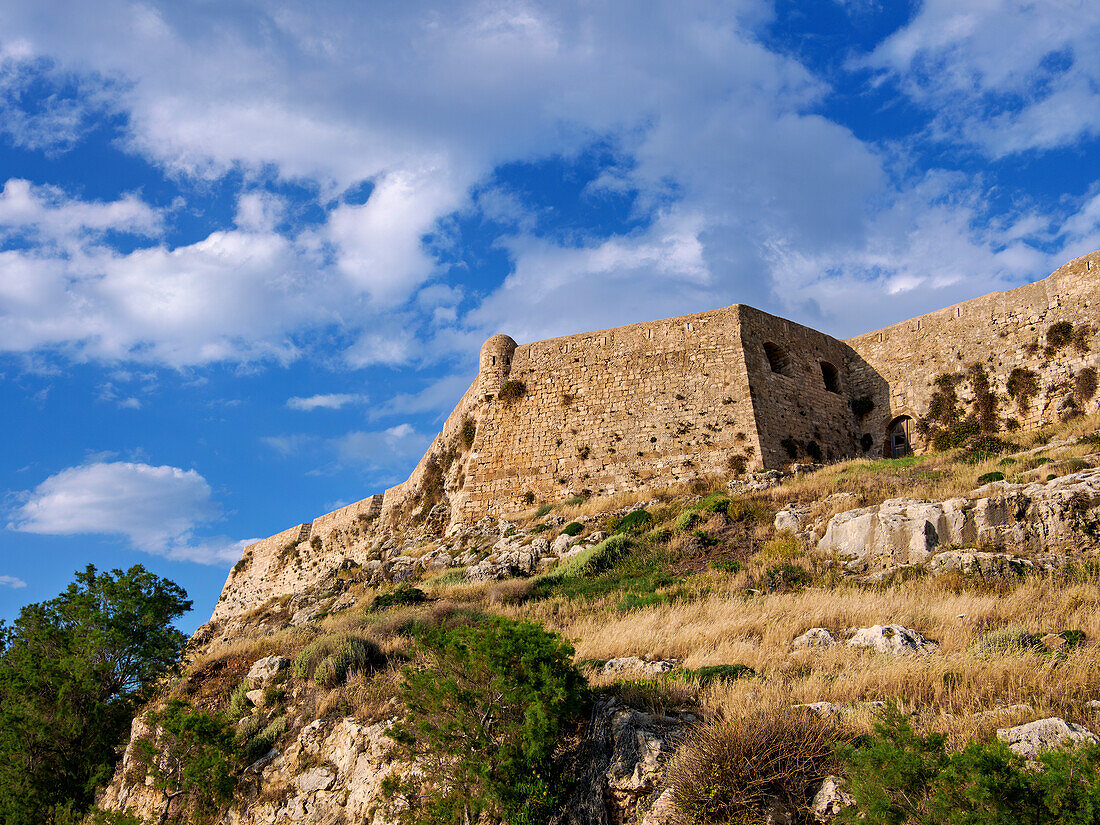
[
  {"x": 986, "y": 565},
  {"x": 817, "y": 637},
  {"x": 831, "y": 798},
  {"x": 256, "y": 697},
  {"x": 265, "y": 669},
  {"x": 1063, "y": 513},
  {"x": 640, "y": 667},
  {"x": 1044, "y": 734},
  {"x": 562, "y": 543},
  {"x": 316, "y": 779},
  {"x": 891, "y": 638},
  {"x": 822, "y": 710}
]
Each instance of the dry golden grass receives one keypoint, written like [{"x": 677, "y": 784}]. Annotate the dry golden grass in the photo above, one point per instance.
[{"x": 947, "y": 686}]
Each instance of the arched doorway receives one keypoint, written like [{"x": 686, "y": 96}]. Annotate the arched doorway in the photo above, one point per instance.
[{"x": 899, "y": 438}]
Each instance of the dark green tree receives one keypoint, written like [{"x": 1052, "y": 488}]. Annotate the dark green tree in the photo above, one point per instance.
[
  {"x": 190, "y": 754},
  {"x": 486, "y": 714},
  {"x": 72, "y": 670}
]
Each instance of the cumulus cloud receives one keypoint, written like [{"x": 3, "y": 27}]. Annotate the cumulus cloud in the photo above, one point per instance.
[
  {"x": 745, "y": 192},
  {"x": 12, "y": 582},
  {"x": 331, "y": 401},
  {"x": 1009, "y": 76},
  {"x": 157, "y": 509}
]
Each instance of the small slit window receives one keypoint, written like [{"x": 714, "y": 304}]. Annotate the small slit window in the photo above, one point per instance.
[
  {"x": 830, "y": 376},
  {"x": 778, "y": 358}
]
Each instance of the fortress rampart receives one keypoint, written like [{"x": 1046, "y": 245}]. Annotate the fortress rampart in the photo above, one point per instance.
[{"x": 718, "y": 392}]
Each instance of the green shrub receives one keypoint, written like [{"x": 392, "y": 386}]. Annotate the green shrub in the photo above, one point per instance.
[
  {"x": 729, "y": 772},
  {"x": 986, "y": 478},
  {"x": 539, "y": 528},
  {"x": 706, "y": 538},
  {"x": 543, "y": 510},
  {"x": 784, "y": 577},
  {"x": 1006, "y": 641},
  {"x": 635, "y": 523},
  {"x": 330, "y": 659},
  {"x": 572, "y": 528},
  {"x": 686, "y": 521},
  {"x": 404, "y": 594},
  {"x": 239, "y": 704},
  {"x": 715, "y": 503},
  {"x": 488, "y": 713},
  {"x": 783, "y": 547},
  {"x": 721, "y": 673},
  {"x": 574, "y": 501},
  {"x": 898, "y": 776},
  {"x": 606, "y": 553}
]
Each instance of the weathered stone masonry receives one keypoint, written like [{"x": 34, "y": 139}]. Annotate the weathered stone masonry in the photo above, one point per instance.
[{"x": 650, "y": 404}]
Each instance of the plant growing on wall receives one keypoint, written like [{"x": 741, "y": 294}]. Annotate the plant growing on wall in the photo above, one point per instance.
[
  {"x": 1084, "y": 384},
  {"x": 469, "y": 432},
  {"x": 512, "y": 391},
  {"x": 1023, "y": 386}
]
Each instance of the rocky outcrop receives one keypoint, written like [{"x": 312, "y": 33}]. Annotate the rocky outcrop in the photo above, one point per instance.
[
  {"x": 815, "y": 637},
  {"x": 1040, "y": 518},
  {"x": 1034, "y": 738},
  {"x": 891, "y": 639}
]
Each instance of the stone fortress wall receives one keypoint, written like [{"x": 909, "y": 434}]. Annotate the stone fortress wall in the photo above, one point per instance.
[
  {"x": 649, "y": 404},
  {"x": 897, "y": 365}
]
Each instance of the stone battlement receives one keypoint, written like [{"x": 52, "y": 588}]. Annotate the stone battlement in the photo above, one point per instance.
[{"x": 718, "y": 392}]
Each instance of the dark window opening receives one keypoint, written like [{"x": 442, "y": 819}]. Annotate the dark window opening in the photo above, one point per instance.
[
  {"x": 830, "y": 376},
  {"x": 778, "y": 358}
]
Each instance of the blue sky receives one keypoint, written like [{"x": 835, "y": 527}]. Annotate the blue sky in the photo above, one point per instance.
[{"x": 249, "y": 251}]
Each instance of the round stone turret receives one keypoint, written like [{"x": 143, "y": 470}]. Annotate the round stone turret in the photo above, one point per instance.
[{"x": 496, "y": 363}]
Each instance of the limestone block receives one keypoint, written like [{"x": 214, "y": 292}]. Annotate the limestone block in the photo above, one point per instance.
[{"x": 1044, "y": 734}]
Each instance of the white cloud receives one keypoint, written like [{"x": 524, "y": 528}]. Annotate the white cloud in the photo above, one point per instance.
[
  {"x": 331, "y": 401},
  {"x": 753, "y": 198},
  {"x": 1008, "y": 75},
  {"x": 157, "y": 509},
  {"x": 12, "y": 582}
]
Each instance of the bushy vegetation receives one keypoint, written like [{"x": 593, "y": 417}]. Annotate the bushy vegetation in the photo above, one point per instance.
[
  {"x": 330, "y": 659},
  {"x": 512, "y": 391},
  {"x": 485, "y": 715},
  {"x": 192, "y": 755},
  {"x": 72, "y": 672},
  {"x": 635, "y": 523},
  {"x": 732, "y": 771},
  {"x": 572, "y": 528},
  {"x": 403, "y": 595},
  {"x": 898, "y": 776}
]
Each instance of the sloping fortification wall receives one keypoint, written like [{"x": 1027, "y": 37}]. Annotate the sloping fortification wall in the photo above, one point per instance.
[
  {"x": 799, "y": 380},
  {"x": 637, "y": 406},
  {"x": 897, "y": 365}
]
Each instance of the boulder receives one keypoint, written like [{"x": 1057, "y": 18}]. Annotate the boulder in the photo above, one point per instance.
[
  {"x": 891, "y": 638},
  {"x": 265, "y": 669},
  {"x": 256, "y": 697},
  {"x": 822, "y": 710},
  {"x": 976, "y": 563},
  {"x": 831, "y": 798},
  {"x": 1034, "y": 738},
  {"x": 316, "y": 779},
  {"x": 641, "y": 667},
  {"x": 1060, "y": 514},
  {"x": 814, "y": 637},
  {"x": 562, "y": 543}
]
